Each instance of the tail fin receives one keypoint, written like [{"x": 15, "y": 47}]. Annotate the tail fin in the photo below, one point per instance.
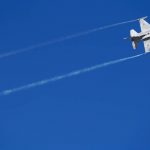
[
  {"x": 135, "y": 44},
  {"x": 134, "y": 38}
]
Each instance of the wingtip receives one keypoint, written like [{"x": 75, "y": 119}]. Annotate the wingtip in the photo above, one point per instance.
[{"x": 142, "y": 18}]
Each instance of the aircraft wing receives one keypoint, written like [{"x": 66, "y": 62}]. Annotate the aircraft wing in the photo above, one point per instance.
[
  {"x": 145, "y": 26},
  {"x": 147, "y": 45}
]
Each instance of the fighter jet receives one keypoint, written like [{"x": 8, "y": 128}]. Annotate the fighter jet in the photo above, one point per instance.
[{"x": 144, "y": 35}]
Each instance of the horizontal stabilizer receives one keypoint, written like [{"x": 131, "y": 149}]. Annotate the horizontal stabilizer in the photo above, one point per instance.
[
  {"x": 133, "y": 33},
  {"x": 134, "y": 38}
]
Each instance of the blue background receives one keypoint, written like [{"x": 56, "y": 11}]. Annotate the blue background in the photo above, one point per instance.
[{"x": 101, "y": 110}]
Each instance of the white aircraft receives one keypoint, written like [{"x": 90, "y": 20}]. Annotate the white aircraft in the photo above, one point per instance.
[{"x": 144, "y": 35}]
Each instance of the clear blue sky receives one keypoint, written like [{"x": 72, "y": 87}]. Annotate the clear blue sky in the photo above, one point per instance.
[{"x": 107, "y": 109}]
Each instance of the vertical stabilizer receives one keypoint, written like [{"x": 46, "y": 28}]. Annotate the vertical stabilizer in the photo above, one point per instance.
[{"x": 134, "y": 44}]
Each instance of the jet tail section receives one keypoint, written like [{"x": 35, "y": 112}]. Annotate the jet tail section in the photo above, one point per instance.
[
  {"x": 134, "y": 44},
  {"x": 134, "y": 38}
]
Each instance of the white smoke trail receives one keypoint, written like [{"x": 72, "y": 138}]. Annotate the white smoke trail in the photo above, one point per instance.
[
  {"x": 64, "y": 39},
  {"x": 61, "y": 77}
]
